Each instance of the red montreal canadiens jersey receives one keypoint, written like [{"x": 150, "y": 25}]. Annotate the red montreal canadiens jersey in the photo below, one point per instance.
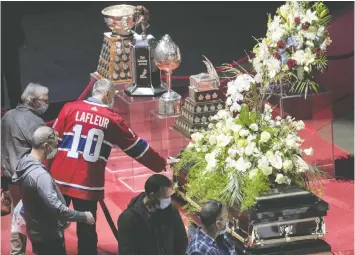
[{"x": 88, "y": 130}]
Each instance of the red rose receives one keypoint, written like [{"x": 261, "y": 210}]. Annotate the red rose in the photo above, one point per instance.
[
  {"x": 291, "y": 63},
  {"x": 276, "y": 55},
  {"x": 305, "y": 26},
  {"x": 297, "y": 20},
  {"x": 281, "y": 44},
  {"x": 318, "y": 52}
]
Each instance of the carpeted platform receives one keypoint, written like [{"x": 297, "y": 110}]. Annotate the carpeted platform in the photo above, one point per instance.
[{"x": 121, "y": 183}]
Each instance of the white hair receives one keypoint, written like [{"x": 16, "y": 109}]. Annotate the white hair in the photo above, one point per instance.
[
  {"x": 101, "y": 86},
  {"x": 43, "y": 134},
  {"x": 33, "y": 91}
]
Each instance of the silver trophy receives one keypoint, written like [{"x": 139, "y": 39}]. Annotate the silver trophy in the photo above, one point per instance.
[{"x": 167, "y": 58}]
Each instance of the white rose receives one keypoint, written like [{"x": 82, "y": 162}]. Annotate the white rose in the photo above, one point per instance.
[
  {"x": 242, "y": 165},
  {"x": 223, "y": 140},
  {"x": 267, "y": 170},
  {"x": 223, "y": 114},
  {"x": 264, "y": 137},
  {"x": 291, "y": 141},
  {"x": 211, "y": 165},
  {"x": 254, "y": 127},
  {"x": 263, "y": 161},
  {"x": 287, "y": 165},
  {"x": 280, "y": 179},
  {"x": 212, "y": 139},
  {"x": 235, "y": 107},
  {"x": 251, "y": 138},
  {"x": 190, "y": 146},
  {"x": 308, "y": 152},
  {"x": 253, "y": 173},
  {"x": 249, "y": 149},
  {"x": 236, "y": 128},
  {"x": 229, "y": 101},
  {"x": 302, "y": 166},
  {"x": 267, "y": 108},
  {"x": 232, "y": 152},
  {"x": 258, "y": 77},
  {"x": 275, "y": 161},
  {"x": 299, "y": 125},
  {"x": 197, "y": 137},
  {"x": 287, "y": 180},
  {"x": 244, "y": 132}
]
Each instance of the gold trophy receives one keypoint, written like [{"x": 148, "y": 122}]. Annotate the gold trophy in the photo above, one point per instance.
[
  {"x": 114, "y": 61},
  {"x": 167, "y": 58}
]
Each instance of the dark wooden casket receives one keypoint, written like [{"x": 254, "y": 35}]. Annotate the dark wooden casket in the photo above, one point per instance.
[{"x": 286, "y": 221}]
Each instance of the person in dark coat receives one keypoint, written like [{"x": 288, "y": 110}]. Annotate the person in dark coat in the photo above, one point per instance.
[{"x": 151, "y": 224}]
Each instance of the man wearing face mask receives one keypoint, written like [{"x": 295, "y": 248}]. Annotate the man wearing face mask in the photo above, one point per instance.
[
  {"x": 17, "y": 127},
  {"x": 45, "y": 211},
  {"x": 151, "y": 225},
  {"x": 210, "y": 239},
  {"x": 88, "y": 130}
]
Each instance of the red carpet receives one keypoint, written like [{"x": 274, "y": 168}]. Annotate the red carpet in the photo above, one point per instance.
[{"x": 120, "y": 182}]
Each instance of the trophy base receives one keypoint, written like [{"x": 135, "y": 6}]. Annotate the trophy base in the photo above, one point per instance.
[
  {"x": 170, "y": 104},
  {"x": 136, "y": 91},
  {"x": 114, "y": 60}
]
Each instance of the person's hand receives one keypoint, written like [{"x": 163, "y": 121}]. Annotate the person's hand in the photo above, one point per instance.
[
  {"x": 67, "y": 225},
  {"x": 6, "y": 196},
  {"x": 6, "y": 201},
  {"x": 165, "y": 165},
  {"x": 90, "y": 220}
]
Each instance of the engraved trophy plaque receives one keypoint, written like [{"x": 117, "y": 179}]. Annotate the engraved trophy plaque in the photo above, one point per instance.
[
  {"x": 167, "y": 58},
  {"x": 145, "y": 74},
  {"x": 114, "y": 61}
]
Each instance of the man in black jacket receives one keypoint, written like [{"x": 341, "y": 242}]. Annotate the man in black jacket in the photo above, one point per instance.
[{"x": 151, "y": 225}]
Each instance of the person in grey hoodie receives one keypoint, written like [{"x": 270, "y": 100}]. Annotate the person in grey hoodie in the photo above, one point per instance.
[
  {"x": 17, "y": 127},
  {"x": 45, "y": 210}
]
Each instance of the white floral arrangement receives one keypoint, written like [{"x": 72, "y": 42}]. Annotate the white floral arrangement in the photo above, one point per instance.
[
  {"x": 294, "y": 47},
  {"x": 241, "y": 157}
]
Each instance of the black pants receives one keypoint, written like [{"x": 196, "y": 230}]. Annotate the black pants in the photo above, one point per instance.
[
  {"x": 87, "y": 236},
  {"x": 53, "y": 247}
]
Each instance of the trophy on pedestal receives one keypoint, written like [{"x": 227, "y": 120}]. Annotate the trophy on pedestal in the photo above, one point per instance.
[
  {"x": 202, "y": 103},
  {"x": 168, "y": 58},
  {"x": 126, "y": 56}
]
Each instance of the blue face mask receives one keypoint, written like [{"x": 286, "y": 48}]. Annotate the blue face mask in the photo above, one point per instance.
[
  {"x": 112, "y": 103},
  {"x": 164, "y": 203}
]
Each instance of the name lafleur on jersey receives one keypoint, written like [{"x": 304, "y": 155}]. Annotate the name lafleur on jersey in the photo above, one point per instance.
[{"x": 92, "y": 119}]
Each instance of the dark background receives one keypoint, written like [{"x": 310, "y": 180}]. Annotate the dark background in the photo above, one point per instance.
[{"x": 59, "y": 42}]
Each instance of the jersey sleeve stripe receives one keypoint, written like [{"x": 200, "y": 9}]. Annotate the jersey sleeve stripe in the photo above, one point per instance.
[
  {"x": 142, "y": 154},
  {"x": 79, "y": 186},
  {"x": 138, "y": 149},
  {"x": 131, "y": 146}
]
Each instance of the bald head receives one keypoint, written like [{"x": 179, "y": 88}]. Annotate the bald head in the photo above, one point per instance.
[
  {"x": 44, "y": 135},
  {"x": 211, "y": 212}
]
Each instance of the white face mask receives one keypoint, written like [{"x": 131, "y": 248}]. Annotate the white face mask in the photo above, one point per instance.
[
  {"x": 223, "y": 231},
  {"x": 43, "y": 108},
  {"x": 52, "y": 153},
  {"x": 111, "y": 104},
  {"x": 164, "y": 203}
]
